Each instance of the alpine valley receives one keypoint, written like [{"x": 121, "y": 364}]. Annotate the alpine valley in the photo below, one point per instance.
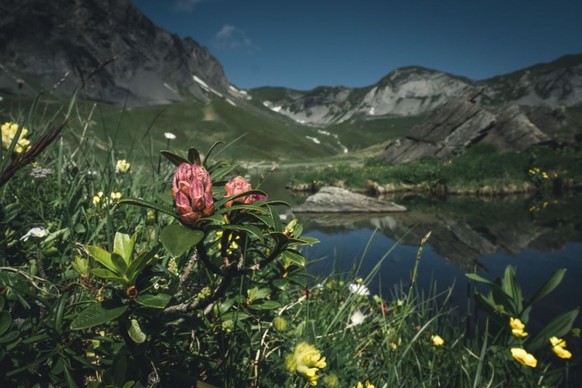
[{"x": 122, "y": 60}]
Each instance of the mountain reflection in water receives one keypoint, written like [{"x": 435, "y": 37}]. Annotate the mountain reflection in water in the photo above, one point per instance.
[{"x": 536, "y": 235}]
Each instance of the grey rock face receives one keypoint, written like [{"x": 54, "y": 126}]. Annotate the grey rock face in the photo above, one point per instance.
[
  {"x": 336, "y": 200},
  {"x": 40, "y": 41},
  {"x": 460, "y": 123}
]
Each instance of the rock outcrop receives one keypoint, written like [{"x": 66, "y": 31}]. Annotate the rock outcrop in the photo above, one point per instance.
[
  {"x": 42, "y": 41},
  {"x": 336, "y": 200},
  {"x": 460, "y": 123}
]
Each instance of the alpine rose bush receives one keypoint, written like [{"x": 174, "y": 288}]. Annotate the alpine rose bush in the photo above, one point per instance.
[{"x": 192, "y": 192}]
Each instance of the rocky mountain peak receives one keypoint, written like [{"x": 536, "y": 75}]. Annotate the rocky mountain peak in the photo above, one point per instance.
[{"x": 139, "y": 62}]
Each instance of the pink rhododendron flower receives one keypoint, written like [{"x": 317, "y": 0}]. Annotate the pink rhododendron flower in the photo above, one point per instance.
[
  {"x": 238, "y": 185},
  {"x": 192, "y": 192}
]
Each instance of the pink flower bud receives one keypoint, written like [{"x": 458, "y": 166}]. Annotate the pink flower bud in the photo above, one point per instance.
[
  {"x": 238, "y": 185},
  {"x": 192, "y": 192}
]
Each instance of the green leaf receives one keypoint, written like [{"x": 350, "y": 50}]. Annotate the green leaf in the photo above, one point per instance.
[
  {"x": 177, "y": 238},
  {"x": 258, "y": 293},
  {"x": 156, "y": 301},
  {"x": 477, "y": 278},
  {"x": 119, "y": 371},
  {"x": 143, "y": 260},
  {"x": 2, "y": 301},
  {"x": 102, "y": 256},
  {"x": 554, "y": 280},
  {"x": 558, "y": 327},
  {"x": 194, "y": 156},
  {"x": 174, "y": 158},
  {"x": 5, "y": 322},
  {"x": 119, "y": 263},
  {"x": 123, "y": 246},
  {"x": 291, "y": 257},
  {"x": 510, "y": 286},
  {"x": 281, "y": 284},
  {"x": 109, "y": 275},
  {"x": 211, "y": 150},
  {"x": 135, "y": 332},
  {"x": 36, "y": 338},
  {"x": 148, "y": 205},
  {"x": 97, "y": 314},
  {"x": 235, "y": 316},
  {"x": 9, "y": 337},
  {"x": 266, "y": 305}
]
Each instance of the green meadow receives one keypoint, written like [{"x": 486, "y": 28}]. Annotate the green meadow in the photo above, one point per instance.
[{"x": 123, "y": 266}]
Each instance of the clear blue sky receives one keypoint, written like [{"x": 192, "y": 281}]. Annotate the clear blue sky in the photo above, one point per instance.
[{"x": 302, "y": 44}]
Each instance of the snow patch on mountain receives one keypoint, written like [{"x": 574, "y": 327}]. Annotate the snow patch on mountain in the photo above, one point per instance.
[{"x": 205, "y": 86}]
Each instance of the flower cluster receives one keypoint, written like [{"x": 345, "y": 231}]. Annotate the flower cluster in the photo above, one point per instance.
[
  {"x": 192, "y": 192},
  {"x": 559, "y": 348},
  {"x": 540, "y": 177},
  {"x": 517, "y": 328},
  {"x": 114, "y": 196},
  {"x": 122, "y": 166},
  {"x": 306, "y": 361},
  {"x": 9, "y": 131}
]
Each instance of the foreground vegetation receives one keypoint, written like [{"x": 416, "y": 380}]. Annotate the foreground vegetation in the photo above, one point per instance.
[
  {"x": 481, "y": 170},
  {"x": 132, "y": 270}
]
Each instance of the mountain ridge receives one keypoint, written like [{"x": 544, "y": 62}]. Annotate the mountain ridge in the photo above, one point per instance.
[
  {"x": 414, "y": 90},
  {"x": 69, "y": 40}
]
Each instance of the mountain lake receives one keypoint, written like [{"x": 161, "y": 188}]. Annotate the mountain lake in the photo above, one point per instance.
[{"x": 535, "y": 234}]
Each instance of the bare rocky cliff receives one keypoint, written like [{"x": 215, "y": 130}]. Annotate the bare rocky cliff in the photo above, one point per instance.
[
  {"x": 41, "y": 41},
  {"x": 415, "y": 90}
]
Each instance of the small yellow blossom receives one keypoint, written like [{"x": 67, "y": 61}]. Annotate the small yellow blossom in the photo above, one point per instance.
[
  {"x": 97, "y": 198},
  {"x": 116, "y": 196},
  {"x": 559, "y": 348},
  {"x": 517, "y": 328},
  {"x": 437, "y": 340},
  {"x": 9, "y": 131},
  {"x": 306, "y": 361},
  {"x": 523, "y": 357},
  {"x": 122, "y": 166},
  {"x": 233, "y": 244},
  {"x": 367, "y": 384}
]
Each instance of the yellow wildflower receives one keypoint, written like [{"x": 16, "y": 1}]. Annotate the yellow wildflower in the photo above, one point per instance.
[
  {"x": 517, "y": 327},
  {"x": 367, "y": 384},
  {"x": 306, "y": 361},
  {"x": 9, "y": 131},
  {"x": 115, "y": 196},
  {"x": 437, "y": 340},
  {"x": 523, "y": 357},
  {"x": 559, "y": 348},
  {"x": 122, "y": 166},
  {"x": 97, "y": 198},
  {"x": 233, "y": 244}
]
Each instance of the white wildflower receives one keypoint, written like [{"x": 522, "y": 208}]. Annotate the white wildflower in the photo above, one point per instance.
[
  {"x": 169, "y": 136},
  {"x": 359, "y": 289},
  {"x": 357, "y": 318},
  {"x": 37, "y": 232}
]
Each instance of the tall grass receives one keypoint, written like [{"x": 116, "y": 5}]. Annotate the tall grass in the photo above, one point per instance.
[{"x": 385, "y": 340}]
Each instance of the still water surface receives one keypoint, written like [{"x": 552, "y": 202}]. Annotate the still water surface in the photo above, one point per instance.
[{"x": 534, "y": 234}]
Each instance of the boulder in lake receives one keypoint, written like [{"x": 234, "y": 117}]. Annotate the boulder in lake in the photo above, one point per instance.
[{"x": 337, "y": 200}]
